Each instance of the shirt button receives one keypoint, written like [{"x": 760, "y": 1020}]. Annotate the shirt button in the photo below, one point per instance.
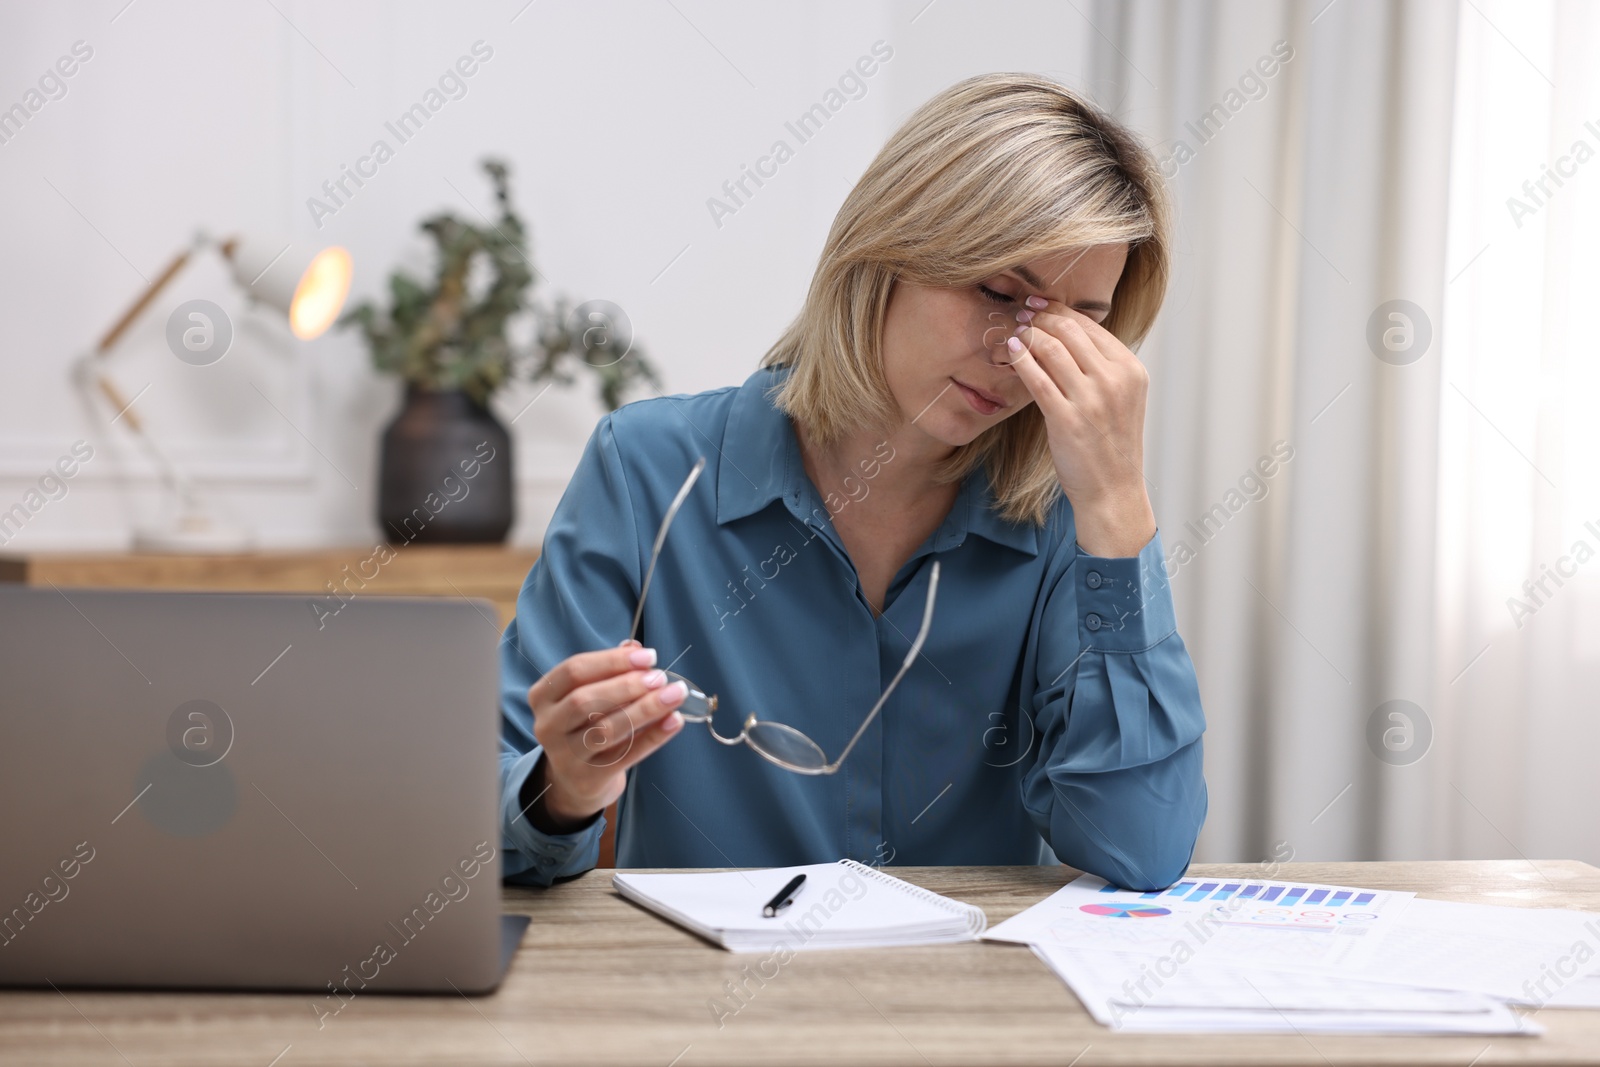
[
  {"x": 1092, "y": 579},
  {"x": 1092, "y": 621}
]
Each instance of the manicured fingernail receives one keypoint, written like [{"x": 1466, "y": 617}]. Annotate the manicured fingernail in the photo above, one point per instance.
[
  {"x": 655, "y": 679},
  {"x": 1038, "y": 302},
  {"x": 642, "y": 657},
  {"x": 672, "y": 723},
  {"x": 1014, "y": 344},
  {"x": 1024, "y": 316},
  {"x": 1020, "y": 330},
  {"x": 673, "y": 693}
]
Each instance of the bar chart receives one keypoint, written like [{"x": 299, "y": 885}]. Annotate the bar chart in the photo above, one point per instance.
[
  {"x": 1262, "y": 904},
  {"x": 1285, "y": 896}
]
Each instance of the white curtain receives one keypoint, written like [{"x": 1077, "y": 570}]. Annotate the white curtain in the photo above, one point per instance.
[
  {"x": 1519, "y": 664},
  {"x": 1293, "y": 439}
]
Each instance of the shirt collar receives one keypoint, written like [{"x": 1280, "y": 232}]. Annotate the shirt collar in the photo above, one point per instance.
[
  {"x": 983, "y": 517},
  {"x": 759, "y": 462},
  {"x": 755, "y": 449}
]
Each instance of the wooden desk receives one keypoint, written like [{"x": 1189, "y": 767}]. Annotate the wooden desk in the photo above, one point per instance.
[{"x": 599, "y": 981}]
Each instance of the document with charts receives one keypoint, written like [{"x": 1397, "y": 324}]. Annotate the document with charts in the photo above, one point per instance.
[
  {"x": 1129, "y": 991},
  {"x": 1261, "y": 922}
]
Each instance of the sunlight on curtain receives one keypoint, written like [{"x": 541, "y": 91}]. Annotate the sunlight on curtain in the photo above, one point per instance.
[{"x": 1519, "y": 496}]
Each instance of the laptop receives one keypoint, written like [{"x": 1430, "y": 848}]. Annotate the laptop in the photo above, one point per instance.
[{"x": 262, "y": 791}]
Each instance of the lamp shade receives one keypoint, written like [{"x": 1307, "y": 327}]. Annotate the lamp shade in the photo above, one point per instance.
[{"x": 308, "y": 286}]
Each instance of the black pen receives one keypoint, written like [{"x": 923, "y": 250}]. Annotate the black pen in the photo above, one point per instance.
[{"x": 784, "y": 897}]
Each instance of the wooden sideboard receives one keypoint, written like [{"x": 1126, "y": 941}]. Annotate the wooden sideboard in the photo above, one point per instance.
[{"x": 492, "y": 572}]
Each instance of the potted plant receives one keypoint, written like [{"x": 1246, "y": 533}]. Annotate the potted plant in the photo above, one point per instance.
[{"x": 445, "y": 468}]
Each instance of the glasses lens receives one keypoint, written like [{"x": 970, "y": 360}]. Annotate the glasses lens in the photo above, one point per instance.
[
  {"x": 697, "y": 706},
  {"x": 785, "y": 746}
]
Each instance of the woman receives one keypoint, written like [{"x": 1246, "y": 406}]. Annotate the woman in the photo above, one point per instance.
[{"x": 956, "y": 401}]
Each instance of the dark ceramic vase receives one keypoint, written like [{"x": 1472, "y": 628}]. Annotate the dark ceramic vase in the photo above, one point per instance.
[{"x": 445, "y": 472}]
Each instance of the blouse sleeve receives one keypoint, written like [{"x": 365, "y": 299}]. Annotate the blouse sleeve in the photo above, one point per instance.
[
  {"x": 1116, "y": 785},
  {"x": 579, "y": 596}
]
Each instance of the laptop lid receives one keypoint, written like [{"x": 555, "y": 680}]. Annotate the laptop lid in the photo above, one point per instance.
[{"x": 248, "y": 791}]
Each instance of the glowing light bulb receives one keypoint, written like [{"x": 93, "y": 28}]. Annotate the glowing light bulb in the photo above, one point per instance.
[{"x": 321, "y": 293}]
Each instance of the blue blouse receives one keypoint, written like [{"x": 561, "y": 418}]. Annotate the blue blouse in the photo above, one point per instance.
[{"x": 1053, "y": 705}]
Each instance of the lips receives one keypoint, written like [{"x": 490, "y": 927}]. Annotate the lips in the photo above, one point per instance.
[{"x": 985, "y": 401}]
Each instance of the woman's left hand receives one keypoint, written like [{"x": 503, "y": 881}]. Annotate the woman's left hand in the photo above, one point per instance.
[{"x": 1091, "y": 390}]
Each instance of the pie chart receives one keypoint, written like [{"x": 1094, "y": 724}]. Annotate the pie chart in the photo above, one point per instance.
[{"x": 1125, "y": 911}]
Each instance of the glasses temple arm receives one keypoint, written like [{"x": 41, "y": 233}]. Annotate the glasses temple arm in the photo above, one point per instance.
[
  {"x": 916, "y": 648},
  {"x": 661, "y": 536}
]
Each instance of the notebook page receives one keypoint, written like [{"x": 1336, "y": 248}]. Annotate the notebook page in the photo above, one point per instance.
[{"x": 835, "y": 900}]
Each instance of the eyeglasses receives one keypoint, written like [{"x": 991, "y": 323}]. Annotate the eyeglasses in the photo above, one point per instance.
[{"x": 780, "y": 744}]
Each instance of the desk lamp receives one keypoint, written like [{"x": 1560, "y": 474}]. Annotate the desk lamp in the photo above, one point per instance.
[{"x": 309, "y": 289}]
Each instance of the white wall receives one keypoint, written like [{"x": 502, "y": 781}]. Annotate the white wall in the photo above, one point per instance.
[{"x": 620, "y": 119}]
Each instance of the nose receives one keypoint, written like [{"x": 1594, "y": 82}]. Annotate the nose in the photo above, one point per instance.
[
  {"x": 989, "y": 353},
  {"x": 993, "y": 343}
]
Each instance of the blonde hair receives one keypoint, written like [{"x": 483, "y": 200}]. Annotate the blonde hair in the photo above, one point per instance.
[{"x": 993, "y": 172}]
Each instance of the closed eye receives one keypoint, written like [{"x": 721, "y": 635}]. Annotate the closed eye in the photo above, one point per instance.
[{"x": 994, "y": 297}]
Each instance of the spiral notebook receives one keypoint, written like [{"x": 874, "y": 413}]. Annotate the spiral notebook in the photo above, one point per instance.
[{"x": 842, "y": 905}]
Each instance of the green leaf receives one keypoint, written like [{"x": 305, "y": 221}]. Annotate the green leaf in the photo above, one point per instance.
[{"x": 439, "y": 336}]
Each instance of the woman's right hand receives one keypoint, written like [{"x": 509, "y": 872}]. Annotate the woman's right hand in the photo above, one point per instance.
[{"x": 595, "y": 714}]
